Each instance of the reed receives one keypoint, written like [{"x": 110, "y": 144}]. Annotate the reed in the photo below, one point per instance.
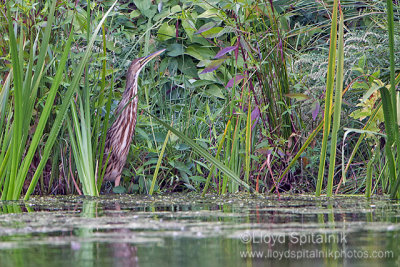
[{"x": 328, "y": 97}]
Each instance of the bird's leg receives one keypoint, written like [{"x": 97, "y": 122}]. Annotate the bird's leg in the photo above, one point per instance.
[{"x": 117, "y": 181}]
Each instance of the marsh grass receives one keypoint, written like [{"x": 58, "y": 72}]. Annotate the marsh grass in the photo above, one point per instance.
[
  {"x": 15, "y": 135},
  {"x": 84, "y": 144},
  {"x": 223, "y": 84}
]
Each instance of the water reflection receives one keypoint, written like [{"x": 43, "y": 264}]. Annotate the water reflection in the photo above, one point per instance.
[{"x": 182, "y": 230}]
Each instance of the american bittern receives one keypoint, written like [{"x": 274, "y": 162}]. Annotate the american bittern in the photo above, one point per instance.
[{"x": 119, "y": 136}]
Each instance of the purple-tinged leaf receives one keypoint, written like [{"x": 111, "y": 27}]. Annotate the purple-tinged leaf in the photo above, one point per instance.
[
  {"x": 213, "y": 66},
  {"x": 280, "y": 49},
  {"x": 255, "y": 117},
  {"x": 315, "y": 110},
  {"x": 280, "y": 152},
  {"x": 214, "y": 32},
  {"x": 224, "y": 51},
  {"x": 234, "y": 80},
  {"x": 255, "y": 114},
  {"x": 259, "y": 51},
  {"x": 205, "y": 27}
]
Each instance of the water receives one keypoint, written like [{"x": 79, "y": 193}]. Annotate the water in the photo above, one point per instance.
[{"x": 186, "y": 230}]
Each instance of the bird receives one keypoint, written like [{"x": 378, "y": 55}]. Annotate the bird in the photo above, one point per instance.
[{"x": 120, "y": 134}]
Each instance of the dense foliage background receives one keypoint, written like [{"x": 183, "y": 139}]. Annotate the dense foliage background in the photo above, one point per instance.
[{"x": 244, "y": 79}]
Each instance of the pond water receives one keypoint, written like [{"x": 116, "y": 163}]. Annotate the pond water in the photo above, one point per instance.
[{"x": 187, "y": 230}]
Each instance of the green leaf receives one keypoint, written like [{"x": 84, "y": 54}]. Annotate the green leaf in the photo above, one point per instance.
[
  {"x": 210, "y": 13},
  {"x": 298, "y": 96},
  {"x": 166, "y": 32},
  {"x": 200, "y": 52},
  {"x": 175, "y": 50},
  {"x": 189, "y": 29},
  {"x": 213, "y": 65},
  {"x": 119, "y": 190},
  {"x": 214, "y": 32},
  {"x": 187, "y": 66},
  {"x": 215, "y": 91},
  {"x": 206, "y": 27},
  {"x": 176, "y": 9},
  {"x": 146, "y": 7},
  {"x": 134, "y": 14}
]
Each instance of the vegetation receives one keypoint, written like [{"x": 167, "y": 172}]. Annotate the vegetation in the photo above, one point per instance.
[{"x": 235, "y": 102}]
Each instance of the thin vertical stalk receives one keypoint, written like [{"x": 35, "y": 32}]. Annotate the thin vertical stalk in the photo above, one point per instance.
[
  {"x": 248, "y": 144},
  {"x": 368, "y": 180}
]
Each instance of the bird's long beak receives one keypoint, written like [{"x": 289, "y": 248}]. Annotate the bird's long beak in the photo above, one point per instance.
[{"x": 148, "y": 58}]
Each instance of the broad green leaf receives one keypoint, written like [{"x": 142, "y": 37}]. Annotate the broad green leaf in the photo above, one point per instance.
[
  {"x": 215, "y": 91},
  {"x": 298, "y": 96},
  {"x": 134, "y": 14},
  {"x": 213, "y": 65},
  {"x": 200, "y": 52},
  {"x": 175, "y": 50},
  {"x": 176, "y": 9},
  {"x": 166, "y": 32},
  {"x": 187, "y": 26},
  {"x": 187, "y": 66},
  {"x": 206, "y": 27},
  {"x": 214, "y": 32},
  {"x": 210, "y": 13},
  {"x": 146, "y": 7}
]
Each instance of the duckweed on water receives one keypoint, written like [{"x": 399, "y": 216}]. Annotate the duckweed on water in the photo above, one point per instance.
[{"x": 163, "y": 229}]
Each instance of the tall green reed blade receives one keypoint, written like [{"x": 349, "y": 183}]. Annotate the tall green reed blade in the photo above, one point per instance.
[
  {"x": 102, "y": 167},
  {"x": 5, "y": 155},
  {"x": 217, "y": 157},
  {"x": 43, "y": 119},
  {"x": 338, "y": 105},
  {"x": 390, "y": 128},
  {"x": 202, "y": 152},
  {"x": 393, "y": 95},
  {"x": 99, "y": 146},
  {"x": 28, "y": 94},
  {"x": 368, "y": 180},
  {"x": 62, "y": 112},
  {"x": 153, "y": 182},
  {"x": 4, "y": 134},
  {"x": 18, "y": 108},
  {"x": 234, "y": 157},
  {"x": 328, "y": 98},
  {"x": 80, "y": 143},
  {"x": 81, "y": 139}
]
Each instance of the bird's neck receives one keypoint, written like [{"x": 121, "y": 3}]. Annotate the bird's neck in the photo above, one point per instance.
[{"x": 129, "y": 98}]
